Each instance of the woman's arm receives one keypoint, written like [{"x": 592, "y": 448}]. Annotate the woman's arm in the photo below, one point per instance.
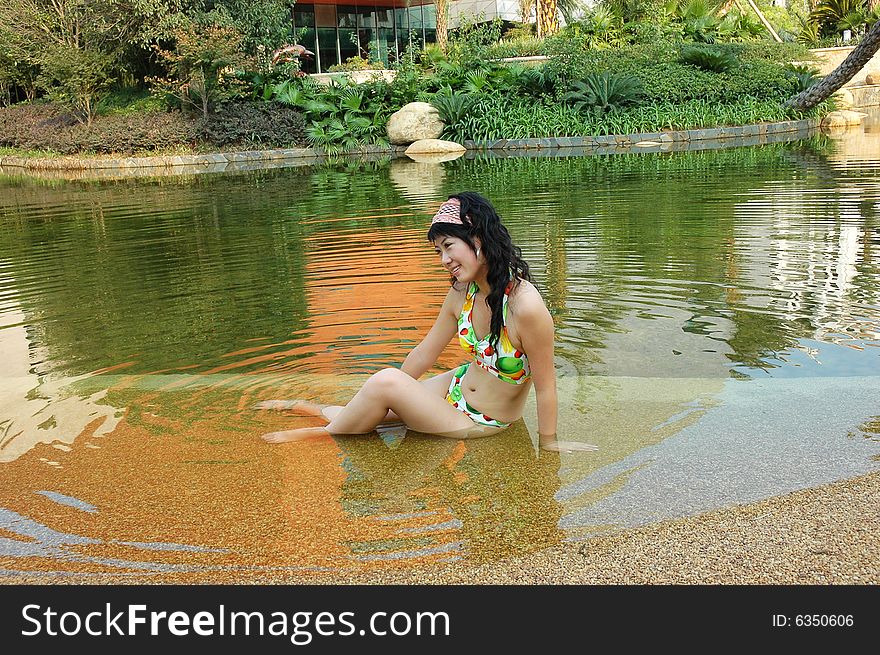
[
  {"x": 424, "y": 355},
  {"x": 537, "y": 335},
  {"x": 536, "y": 332}
]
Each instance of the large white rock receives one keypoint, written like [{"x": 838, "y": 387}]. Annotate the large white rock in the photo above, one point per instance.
[
  {"x": 413, "y": 122},
  {"x": 423, "y": 146},
  {"x": 843, "y": 119}
]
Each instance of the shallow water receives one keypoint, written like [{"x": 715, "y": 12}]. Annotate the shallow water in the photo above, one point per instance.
[{"x": 718, "y": 324}]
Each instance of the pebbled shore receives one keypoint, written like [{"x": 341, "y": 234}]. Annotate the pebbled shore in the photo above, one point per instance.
[{"x": 825, "y": 535}]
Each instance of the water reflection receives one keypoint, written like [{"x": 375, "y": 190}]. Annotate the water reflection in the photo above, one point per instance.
[{"x": 717, "y": 319}]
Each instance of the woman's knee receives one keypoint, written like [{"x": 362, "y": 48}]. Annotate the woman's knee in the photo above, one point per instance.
[{"x": 386, "y": 382}]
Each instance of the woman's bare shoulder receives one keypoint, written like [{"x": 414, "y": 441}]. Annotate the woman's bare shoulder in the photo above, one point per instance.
[{"x": 525, "y": 299}]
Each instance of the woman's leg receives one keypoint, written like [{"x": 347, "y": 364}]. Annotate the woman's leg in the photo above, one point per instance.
[
  {"x": 438, "y": 385},
  {"x": 422, "y": 407}
]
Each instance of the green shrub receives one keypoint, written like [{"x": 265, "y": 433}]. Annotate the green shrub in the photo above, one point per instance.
[
  {"x": 496, "y": 116},
  {"x": 129, "y": 100},
  {"x": 602, "y": 93},
  {"x": 253, "y": 125},
  {"x": 708, "y": 59},
  {"x": 356, "y": 64},
  {"x": 804, "y": 75}
]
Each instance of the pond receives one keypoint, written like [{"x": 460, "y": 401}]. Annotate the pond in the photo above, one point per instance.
[{"x": 718, "y": 337}]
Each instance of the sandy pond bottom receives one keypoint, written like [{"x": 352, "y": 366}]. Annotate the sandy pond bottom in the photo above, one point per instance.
[{"x": 185, "y": 491}]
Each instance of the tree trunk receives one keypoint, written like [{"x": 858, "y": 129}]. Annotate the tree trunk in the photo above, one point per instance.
[
  {"x": 873, "y": 4},
  {"x": 856, "y": 60},
  {"x": 525, "y": 10},
  {"x": 548, "y": 19},
  {"x": 442, "y": 23}
]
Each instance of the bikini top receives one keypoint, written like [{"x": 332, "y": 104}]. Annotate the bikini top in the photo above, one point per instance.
[{"x": 503, "y": 361}]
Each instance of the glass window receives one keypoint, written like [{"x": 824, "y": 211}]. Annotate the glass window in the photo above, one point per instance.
[
  {"x": 348, "y": 43},
  {"x": 346, "y": 16},
  {"x": 367, "y": 32},
  {"x": 429, "y": 15},
  {"x": 303, "y": 16},
  {"x": 327, "y": 47},
  {"x": 306, "y": 36}
]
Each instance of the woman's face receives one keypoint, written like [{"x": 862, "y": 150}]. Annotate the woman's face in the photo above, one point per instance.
[{"x": 457, "y": 257}]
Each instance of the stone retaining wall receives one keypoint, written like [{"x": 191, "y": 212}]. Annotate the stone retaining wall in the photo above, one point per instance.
[
  {"x": 865, "y": 95},
  {"x": 703, "y": 139}
]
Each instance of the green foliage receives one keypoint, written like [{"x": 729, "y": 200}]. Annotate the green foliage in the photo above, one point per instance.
[
  {"x": 129, "y": 100},
  {"x": 356, "y": 64},
  {"x": 708, "y": 59},
  {"x": 76, "y": 78},
  {"x": 69, "y": 49},
  {"x": 494, "y": 116},
  {"x": 600, "y": 27},
  {"x": 203, "y": 51},
  {"x": 803, "y": 75},
  {"x": 602, "y": 93},
  {"x": 341, "y": 116},
  {"x": 471, "y": 43},
  {"x": 253, "y": 125},
  {"x": 262, "y": 24},
  {"x": 453, "y": 109},
  {"x": 834, "y": 16}
]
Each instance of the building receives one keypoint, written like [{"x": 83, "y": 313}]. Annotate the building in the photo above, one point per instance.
[{"x": 379, "y": 29}]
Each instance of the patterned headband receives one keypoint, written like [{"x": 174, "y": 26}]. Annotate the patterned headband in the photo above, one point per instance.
[{"x": 449, "y": 212}]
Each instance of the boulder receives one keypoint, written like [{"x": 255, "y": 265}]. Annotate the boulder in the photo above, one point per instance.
[
  {"x": 872, "y": 78},
  {"x": 438, "y": 146},
  {"x": 843, "y": 119},
  {"x": 413, "y": 122}
]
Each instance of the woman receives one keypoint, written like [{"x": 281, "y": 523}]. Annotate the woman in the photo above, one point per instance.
[{"x": 491, "y": 294}]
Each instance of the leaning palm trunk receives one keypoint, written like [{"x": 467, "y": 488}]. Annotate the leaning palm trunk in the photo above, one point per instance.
[
  {"x": 442, "y": 23},
  {"x": 525, "y": 10},
  {"x": 548, "y": 19},
  {"x": 856, "y": 60}
]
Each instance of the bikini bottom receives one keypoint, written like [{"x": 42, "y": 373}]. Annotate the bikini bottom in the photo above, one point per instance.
[{"x": 455, "y": 398}]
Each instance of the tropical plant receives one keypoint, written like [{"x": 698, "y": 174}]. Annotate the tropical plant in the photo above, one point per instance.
[
  {"x": 453, "y": 109},
  {"x": 804, "y": 75},
  {"x": 604, "y": 92},
  {"x": 709, "y": 59},
  {"x": 699, "y": 19},
  {"x": 834, "y": 16},
  {"x": 341, "y": 116}
]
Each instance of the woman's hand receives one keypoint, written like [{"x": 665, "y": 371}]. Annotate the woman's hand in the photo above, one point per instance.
[{"x": 550, "y": 443}]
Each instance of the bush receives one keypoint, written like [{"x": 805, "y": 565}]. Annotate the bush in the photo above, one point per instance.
[
  {"x": 253, "y": 125},
  {"x": 39, "y": 126},
  {"x": 604, "y": 92},
  {"x": 708, "y": 59},
  {"x": 497, "y": 116},
  {"x": 356, "y": 64}
]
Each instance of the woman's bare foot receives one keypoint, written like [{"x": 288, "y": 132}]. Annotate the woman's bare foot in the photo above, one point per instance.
[
  {"x": 295, "y": 435},
  {"x": 298, "y": 407}
]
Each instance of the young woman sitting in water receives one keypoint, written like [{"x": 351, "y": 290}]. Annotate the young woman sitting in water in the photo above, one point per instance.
[{"x": 492, "y": 295}]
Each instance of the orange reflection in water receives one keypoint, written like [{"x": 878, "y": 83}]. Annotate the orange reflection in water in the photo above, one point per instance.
[{"x": 183, "y": 488}]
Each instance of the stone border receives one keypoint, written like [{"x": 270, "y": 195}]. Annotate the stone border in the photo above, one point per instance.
[{"x": 701, "y": 139}]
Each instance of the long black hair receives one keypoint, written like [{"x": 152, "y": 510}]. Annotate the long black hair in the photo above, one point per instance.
[{"x": 480, "y": 220}]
